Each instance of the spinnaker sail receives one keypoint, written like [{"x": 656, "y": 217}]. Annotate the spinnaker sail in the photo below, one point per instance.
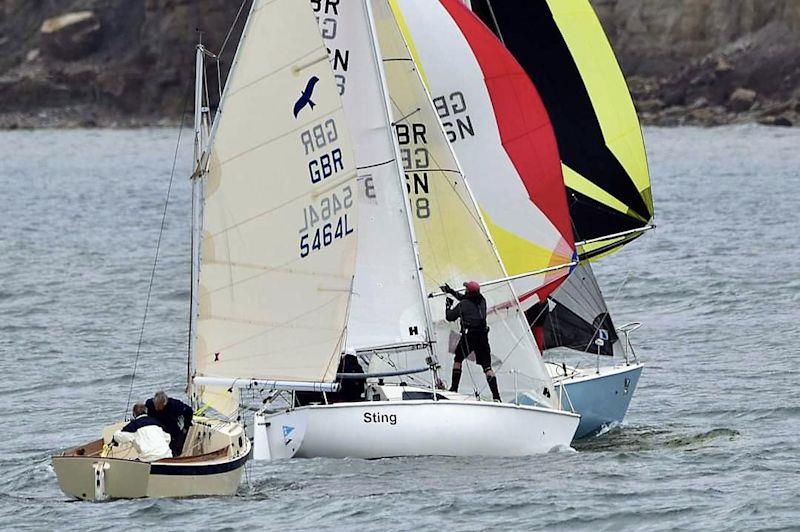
[
  {"x": 278, "y": 244},
  {"x": 575, "y": 316},
  {"x": 562, "y": 47},
  {"x": 502, "y": 135}
]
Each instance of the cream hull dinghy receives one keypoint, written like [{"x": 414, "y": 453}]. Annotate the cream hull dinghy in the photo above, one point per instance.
[
  {"x": 212, "y": 464},
  {"x": 450, "y": 425}
]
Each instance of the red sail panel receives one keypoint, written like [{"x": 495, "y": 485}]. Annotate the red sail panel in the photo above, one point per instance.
[{"x": 525, "y": 129}]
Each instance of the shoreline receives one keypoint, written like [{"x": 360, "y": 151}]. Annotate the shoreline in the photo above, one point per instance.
[{"x": 780, "y": 115}]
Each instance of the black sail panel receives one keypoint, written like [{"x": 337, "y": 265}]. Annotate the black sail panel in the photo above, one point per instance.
[{"x": 574, "y": 316}]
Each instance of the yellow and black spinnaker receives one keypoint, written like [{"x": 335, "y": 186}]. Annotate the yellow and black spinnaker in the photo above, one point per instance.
[{"x": 562, "y": 47}]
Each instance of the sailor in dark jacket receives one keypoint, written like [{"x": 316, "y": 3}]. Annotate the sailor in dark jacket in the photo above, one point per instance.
[
  {"x": 471, "y": 310},
  {"x": 174, "y": 415}
]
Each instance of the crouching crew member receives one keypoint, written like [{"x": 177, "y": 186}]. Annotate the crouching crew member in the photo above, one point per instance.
[
  {"x": 471, "y": 310},
  {"x": 146, "y": 435}
]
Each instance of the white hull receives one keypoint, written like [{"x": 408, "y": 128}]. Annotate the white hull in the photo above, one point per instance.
[{"x": 381, "y": 429}]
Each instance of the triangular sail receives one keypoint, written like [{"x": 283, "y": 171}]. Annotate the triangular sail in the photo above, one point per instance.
[
  {"x": 564, "y": 50},
  {"x": 453, "y": 242},
  {"x": 387, "y": 309},
  {"x": 575, "y": 316},
  {"x": 501, "y": 134},
  {"x": 279, "y": 214}
]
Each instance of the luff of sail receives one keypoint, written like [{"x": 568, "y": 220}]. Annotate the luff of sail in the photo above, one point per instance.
[
  {"x": 387, "y": 309},
  {"x": 279, "y": 227},
  {"x": 564, "y": 50},
  {"x": 502, "y": 136},
  {"x": 454, "y": 244}
]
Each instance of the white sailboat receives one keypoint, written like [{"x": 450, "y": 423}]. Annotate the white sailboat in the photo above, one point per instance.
[
  {"x": 481, "y": 94},
  {"x": 391, "y": 324}
]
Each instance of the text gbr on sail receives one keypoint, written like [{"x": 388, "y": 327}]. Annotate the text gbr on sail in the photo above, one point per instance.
[{"x": 317, "y": 138}]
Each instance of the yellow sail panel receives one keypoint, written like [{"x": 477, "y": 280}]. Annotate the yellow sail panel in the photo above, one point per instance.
[
  {"x": 577, "y": 182},
  {"x": 520, "y": 255},
  {"x": 606, "y": 86},
  {"x": 223, "y": 400}
]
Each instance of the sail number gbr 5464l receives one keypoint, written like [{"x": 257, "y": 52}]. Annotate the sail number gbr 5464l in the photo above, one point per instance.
[{"x": 325, "y": 219}]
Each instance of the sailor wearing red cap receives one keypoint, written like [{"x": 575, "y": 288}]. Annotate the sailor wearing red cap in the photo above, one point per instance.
[{"x": 471, "y": 310}]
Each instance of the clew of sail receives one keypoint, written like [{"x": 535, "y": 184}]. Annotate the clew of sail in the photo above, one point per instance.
[
  {"x": 278, "y": 241},
  {"x": 502, "y": 136},
  {"x": 563, "y": 48},
  {"x": 454, "y": 244},
  {"x": 387, "y": 309}
]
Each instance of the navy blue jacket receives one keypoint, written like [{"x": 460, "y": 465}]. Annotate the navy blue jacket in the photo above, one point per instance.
[{"x": 168, "y": 418}]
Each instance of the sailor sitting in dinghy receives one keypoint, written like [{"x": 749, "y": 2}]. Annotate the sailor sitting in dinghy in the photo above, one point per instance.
[
  {"x": 471, "y": 310},
  {"x": 146, "y": 435}
]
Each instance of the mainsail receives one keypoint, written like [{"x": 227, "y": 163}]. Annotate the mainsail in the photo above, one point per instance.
[
  {"x": 278, "y": 242},
  {"x": 501, "y": 134},
  {"x": 387, "y": 309},
  {"x": 454, "y": 244},
  {"x": 564, "y": 50}
]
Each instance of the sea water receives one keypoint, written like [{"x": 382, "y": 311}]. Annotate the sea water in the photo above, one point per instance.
[{"x": 710, "y": 441}]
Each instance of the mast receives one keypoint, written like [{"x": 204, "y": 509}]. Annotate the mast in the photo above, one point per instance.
[
  {"x": 378, "y": 57},
  {"x": 197, "y": 176}
]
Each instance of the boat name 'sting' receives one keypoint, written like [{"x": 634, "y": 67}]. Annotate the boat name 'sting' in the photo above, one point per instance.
[{"x": 377, "y": 417}]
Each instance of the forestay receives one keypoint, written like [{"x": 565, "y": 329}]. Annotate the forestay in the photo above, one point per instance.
[
  {"x": 280, "y": 216},
  {"x": 564, "y": 50},
  {"x": 501, "y": 134},
  {"x": 387, "y": 308},
  {"x": 453, "y": 243}
]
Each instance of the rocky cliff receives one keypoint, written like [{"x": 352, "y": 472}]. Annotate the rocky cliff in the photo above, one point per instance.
[{"x": 129, "y": 62}]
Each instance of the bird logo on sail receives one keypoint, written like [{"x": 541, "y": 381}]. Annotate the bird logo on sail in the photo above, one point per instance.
[{"x": 305, "y": 96}]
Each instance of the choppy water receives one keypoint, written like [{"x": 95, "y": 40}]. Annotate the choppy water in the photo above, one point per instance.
[{"x": 710, "y": 442}]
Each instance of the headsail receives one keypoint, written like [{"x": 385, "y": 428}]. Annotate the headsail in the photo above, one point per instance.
[
  {"x": 387, "y": 309},
  {"x": 501, "y": 134},
  {"x": 454, "y": 244},
  {"x": 279, "y": 214},
  {"x": 574, "y": 316},
  {"x": 564, "y": 50}
]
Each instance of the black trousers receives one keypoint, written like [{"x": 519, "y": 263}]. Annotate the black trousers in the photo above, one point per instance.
[{"x": 477, "y": 341}]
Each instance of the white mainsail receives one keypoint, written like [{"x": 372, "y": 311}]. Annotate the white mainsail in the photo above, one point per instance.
[
  {"x": 454, "y": 244},
  {"x": 387, "y": 309},
  {"x": 278, "y": 240}
]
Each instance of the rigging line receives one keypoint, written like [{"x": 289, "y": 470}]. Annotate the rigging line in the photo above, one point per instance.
[
  {"x": 230, "y": 30},
  {"x": 494, "y": 21},
  {"x": 158, "y": 246}
]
